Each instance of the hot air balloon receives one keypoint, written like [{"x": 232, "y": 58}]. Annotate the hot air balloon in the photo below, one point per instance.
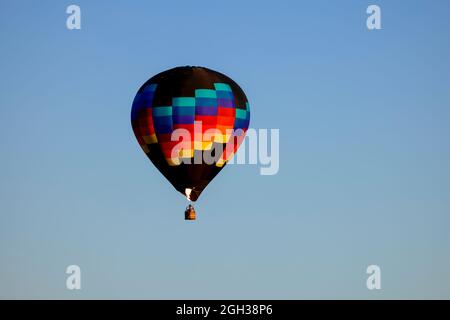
[{"x": 190, "y": 121}]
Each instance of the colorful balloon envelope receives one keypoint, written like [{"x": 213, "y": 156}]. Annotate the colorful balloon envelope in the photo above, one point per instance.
[{"x": 190, "y": 121}]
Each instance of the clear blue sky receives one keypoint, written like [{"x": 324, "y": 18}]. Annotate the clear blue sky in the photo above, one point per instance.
[{"x": 364, "y": 171}]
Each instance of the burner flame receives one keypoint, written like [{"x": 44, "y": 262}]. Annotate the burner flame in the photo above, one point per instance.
[{"x": 187, "y": 192}]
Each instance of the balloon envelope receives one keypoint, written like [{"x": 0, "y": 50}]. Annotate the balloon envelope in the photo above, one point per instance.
[{"x": 190, "y": 121}]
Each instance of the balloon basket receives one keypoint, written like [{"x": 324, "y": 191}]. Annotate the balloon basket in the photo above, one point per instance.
[{"x": 189, "y": 213}]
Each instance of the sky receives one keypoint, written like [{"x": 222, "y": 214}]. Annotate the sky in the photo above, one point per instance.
[{"x": 364, "y": 174}]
